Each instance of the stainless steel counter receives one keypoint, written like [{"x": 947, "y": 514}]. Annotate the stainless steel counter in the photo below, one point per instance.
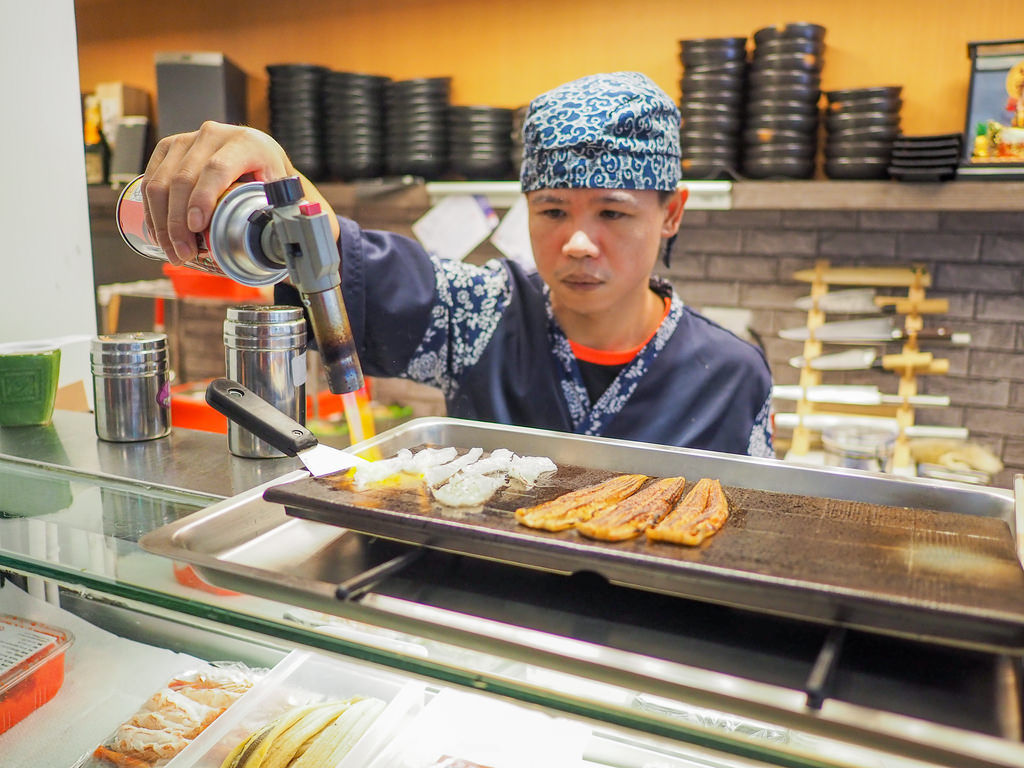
[{"x": 188, "y": 460}]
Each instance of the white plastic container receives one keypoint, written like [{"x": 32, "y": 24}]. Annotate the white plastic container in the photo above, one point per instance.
[{"x": 307, "y": 678}]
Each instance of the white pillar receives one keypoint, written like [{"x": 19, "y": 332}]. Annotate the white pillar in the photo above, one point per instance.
[{"x": 46, "y": 282}]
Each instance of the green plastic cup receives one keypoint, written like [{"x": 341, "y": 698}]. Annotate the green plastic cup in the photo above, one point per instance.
[{"x": 28, "y": 383}]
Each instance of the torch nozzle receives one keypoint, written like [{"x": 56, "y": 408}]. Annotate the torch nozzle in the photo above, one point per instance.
[
  {"x": 301, "y": 234},
  {"x": 333, "y": 336}
]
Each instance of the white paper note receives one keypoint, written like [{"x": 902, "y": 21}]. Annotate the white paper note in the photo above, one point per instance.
[
  {"x": 455, "y": 226},
  {"x": 512, "y": 237}
]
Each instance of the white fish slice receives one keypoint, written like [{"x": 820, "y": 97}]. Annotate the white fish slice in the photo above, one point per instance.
[
  {"x": 528, "y": 469},
  {"x": 500, "y": 460},
  {"x": 468, "y": 489},
  {"x": 375, "y": 471},
  {"x": 432, "y": 457},
  {"x": 435, "y": 476}
]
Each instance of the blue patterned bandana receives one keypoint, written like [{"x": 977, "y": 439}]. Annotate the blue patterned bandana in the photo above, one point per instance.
[{"x": 610, "y": 131}]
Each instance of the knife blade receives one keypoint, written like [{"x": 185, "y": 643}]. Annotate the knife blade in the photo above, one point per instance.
[
  {"x": 877, "y": 329},
  {"x": 855, "y": 301},
  {"x": 850, "y": 360},
  {"x": 249, "y": 410},
  {"x": 816, "y": 422},
  {"x": 865, "y": 301},
  {"x": 852, "y": 394}
]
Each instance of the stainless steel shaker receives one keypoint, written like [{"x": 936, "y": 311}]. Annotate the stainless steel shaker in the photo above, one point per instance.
[
  {"x": 265, "y": 350},
  {"x": 130, "y": 385}
]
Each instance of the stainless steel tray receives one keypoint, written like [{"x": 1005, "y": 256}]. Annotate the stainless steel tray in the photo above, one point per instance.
[{"x": 897, "y": 556}]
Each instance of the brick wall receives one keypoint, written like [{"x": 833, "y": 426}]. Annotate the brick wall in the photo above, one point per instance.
[{"x": 976, "y": 259}]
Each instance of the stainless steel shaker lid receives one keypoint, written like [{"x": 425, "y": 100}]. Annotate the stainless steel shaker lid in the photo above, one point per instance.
[
  {"x": 265, "y": 327},
  {"x": 127, "y": 354},
  {"x": 130, "y": 343},
  {"x": 255, "y": 313}
]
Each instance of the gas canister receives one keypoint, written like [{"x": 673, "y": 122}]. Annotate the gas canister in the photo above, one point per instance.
[{"x": 229, "y": 246}]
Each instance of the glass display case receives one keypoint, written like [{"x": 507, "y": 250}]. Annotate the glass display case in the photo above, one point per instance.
[{"x": 654, "y": 679}]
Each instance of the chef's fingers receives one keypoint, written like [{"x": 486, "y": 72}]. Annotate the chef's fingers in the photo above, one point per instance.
[
  {"x": 223, "y": 155},
  {"x": 188, "y": 172},
  {"x": 198, "y": 156},
  {"x": 156, "y": 186}
]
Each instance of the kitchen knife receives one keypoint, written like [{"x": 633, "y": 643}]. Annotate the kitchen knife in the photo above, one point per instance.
[
  {"x": 852, "y": 394},
  {"x": 877, "y": 329},
  {"x": 249, "y": 410},
  {"x": 864, "y": 301},
  {"x": 855, "y": 301},
  {"x": 816, "y": 422},
  {"x": 850, "y": 360}
]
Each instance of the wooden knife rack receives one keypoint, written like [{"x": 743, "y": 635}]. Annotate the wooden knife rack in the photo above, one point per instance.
[{"x": 908, "y": 364}]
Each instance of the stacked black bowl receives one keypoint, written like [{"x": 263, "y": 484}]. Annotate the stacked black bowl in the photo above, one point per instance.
[
  {"x": 416, "y": 136},
  {"x": 780, "y": 135},
  {"x": 516, "y": 153},
  {"x": 480, "y": 142},
  {"x": 861, "y": 125},
  {"x": 295, "y": 114},
  {"x": 713, "y": 87},
  {"x": 926, "y": 158},
  {"x": 353, "y": 124}
]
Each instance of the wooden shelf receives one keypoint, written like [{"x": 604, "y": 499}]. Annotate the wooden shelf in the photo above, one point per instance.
[
  {"x": 878, "y": 195},
  {"x": 745, "y": 195}
]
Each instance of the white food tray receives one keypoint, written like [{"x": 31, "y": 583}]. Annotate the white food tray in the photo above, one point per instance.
[{"x": 302, "y": 678}]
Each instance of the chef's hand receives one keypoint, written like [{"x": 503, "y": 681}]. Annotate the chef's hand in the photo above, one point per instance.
[{"x": 188, "y": 173}]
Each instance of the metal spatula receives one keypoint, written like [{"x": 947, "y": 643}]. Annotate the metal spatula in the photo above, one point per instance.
[{"x": 249, "y": 410}]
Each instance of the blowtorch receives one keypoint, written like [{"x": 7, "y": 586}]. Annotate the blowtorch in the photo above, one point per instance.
[{"x": 261, "y": 233}]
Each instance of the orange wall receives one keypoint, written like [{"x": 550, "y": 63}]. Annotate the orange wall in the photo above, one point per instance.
[{"x": 503, "y": 53}]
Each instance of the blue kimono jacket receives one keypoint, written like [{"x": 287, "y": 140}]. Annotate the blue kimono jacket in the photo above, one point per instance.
[{"x": 487, "y": 337}]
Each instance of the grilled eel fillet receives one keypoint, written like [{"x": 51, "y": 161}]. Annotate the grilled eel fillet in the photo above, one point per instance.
[
  {"x": 632, "y": 516},
  {"x": 576, "y": 506},
  {"x": 701, "y": 514}
]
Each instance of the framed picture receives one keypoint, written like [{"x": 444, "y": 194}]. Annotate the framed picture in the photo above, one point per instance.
[{"x": 994, "y": 132}]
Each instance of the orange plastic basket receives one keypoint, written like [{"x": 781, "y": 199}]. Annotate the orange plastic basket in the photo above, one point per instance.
[
  {"x": 191, "y": 282},
  {"x": 189, "y": 409}
]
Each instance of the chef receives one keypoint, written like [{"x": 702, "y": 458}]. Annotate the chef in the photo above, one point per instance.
[{"x": 590, "y": 342}]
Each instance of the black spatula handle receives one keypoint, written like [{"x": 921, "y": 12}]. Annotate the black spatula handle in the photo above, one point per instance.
[{"x": 249, "y": 410}]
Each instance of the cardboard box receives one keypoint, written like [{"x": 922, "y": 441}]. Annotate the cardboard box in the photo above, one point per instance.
[{"x": 119, "y": 100}]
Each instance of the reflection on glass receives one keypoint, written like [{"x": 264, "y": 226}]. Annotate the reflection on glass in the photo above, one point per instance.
[
  {"x": 127, "y": 515},
  {"x": 27, "y": 495}
]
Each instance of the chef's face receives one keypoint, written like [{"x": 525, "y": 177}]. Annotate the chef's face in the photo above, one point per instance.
[{"x": 596, "y": 248}]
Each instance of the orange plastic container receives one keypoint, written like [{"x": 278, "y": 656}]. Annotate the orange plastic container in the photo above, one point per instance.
[
  {"x": 192, "y": 282},
  {"x": 31, "y": 667},
  {"x": 189, "y": 409}
]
